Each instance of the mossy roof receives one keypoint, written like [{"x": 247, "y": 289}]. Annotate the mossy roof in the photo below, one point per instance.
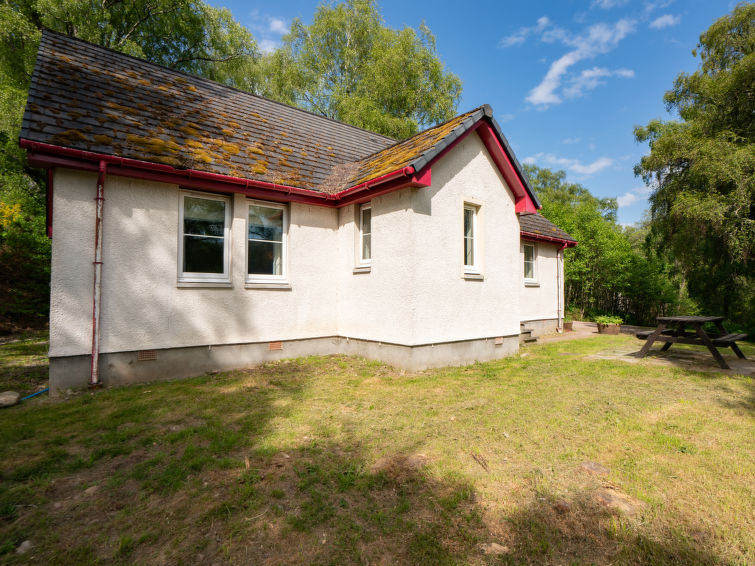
[
  {"x": 537, "y": 224},
  {"x": 87, "y": 97}
]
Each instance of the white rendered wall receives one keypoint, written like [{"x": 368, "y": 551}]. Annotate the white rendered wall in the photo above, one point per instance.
[
  {"x": 541, "y": 301},
  {"x": 415, "y": 292},
  {"x": 142, "y": 305}
]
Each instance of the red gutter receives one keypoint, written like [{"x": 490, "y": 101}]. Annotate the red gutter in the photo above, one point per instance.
[
  {"x": 367, "y": 185},
  {"x": 551, "y": 239},
  {"x": 129, "y": 167}
]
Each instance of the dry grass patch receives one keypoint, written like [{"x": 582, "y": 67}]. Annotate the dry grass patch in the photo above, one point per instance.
[{"x": 539, "y": 458}]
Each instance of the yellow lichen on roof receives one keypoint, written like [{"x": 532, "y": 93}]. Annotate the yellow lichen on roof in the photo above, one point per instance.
[{"x": 403, "y": 153}]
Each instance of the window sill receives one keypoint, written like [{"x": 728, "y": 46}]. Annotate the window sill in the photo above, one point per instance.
[
  {"x": 362, "y": 269},
  {"x": 531, "y": 284},
  {"x": 208, "y": 284},
  {"x": 277, "y": 285},
  {"x": 474, "y": 276}
]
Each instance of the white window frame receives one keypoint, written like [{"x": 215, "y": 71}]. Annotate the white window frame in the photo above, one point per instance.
[
  {"x": 533, "y": 279},
  {"x": 364, "y": 262},
  {"x": 208, "y": 278},
  {"x": 257, "y": 278},
  {"x": 474, "y": 268}
]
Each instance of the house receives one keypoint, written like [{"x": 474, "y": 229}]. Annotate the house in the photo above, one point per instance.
[{"x": 197, "y": 227}]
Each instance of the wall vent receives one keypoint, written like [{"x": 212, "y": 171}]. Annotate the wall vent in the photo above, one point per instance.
[
  {"x": 499, "y": 341},
  {"x": 146, "y": 355},
  {"x": 275, "y": 346}
]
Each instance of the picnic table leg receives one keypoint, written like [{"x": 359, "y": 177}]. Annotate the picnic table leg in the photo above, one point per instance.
[
  {"x": 706, "y": 340},
  {"x": 657, "y": 332},
  {"x": 678, "y": 332},
  {"x": 734, "y": 346},
  {"x": 737, "y": 351}
]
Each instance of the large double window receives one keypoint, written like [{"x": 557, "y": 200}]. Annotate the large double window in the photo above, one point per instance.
[
  {"x": 204, "y": 244},
  {"x": 266, "y": 242}
]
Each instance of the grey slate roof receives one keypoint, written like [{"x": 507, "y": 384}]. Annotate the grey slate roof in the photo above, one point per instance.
[
  {"x": 537, "y": 224},
  {"x": 87, "y": 97},
  {"x": 91, "y": 98}
]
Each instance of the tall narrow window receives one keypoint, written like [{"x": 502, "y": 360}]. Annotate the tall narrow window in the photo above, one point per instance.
[
  {"x": 365, "y": 232},
  {"x": 529, "y": 262},
  {"x": 266, "y": 250},
  {"x": 205, "y": 222},
  {"x": 470, "y": 242}
]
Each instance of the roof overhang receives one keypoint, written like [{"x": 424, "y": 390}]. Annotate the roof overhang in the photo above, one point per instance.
[
  {"x": 417, "y": 175},
  {"x": 532, "y": 236}
]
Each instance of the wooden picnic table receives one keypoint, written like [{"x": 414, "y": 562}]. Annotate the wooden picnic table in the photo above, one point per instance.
[{"x": 676, "y": 330}]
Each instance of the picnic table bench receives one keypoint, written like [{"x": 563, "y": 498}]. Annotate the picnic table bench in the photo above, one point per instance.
[{"x": 679, "y": 333}]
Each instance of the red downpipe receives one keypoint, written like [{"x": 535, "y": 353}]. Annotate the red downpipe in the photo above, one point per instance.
[
  {"x": 94, "y": 379},
  {"x": 50, "y": 177}
]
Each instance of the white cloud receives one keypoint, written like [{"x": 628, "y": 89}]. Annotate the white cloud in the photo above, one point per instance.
[
  {"x": 268, "y": 45},
  {"x": 277, "y": 25},
  {"x": 652, "y": 6},
  {"x": 520, "y": 35},
  {"x": 665, "y": 21},
  {"x": 608, "y": 4},
  {"x": 598, "y": 40},
  {"x": 589, "y": 79},
  {"x": 572, "y": 165},
  {"x": 571, "y": 141},
  {"x": 633, "y": 195}
]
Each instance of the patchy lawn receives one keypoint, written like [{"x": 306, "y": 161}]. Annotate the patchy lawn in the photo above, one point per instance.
[{"x": 540, "y": 458}]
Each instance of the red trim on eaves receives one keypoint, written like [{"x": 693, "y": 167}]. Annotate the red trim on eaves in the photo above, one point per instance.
[
  {"x": 549, "y": 239},
  {"x": 50, "y": 156}
]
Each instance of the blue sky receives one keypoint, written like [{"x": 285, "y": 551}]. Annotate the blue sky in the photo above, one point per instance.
[{"x": 567, "y": 80}]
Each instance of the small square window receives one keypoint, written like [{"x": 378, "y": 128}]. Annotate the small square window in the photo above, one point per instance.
[
  {"x": 266, "y": 242},
  {"x": 205, "y": 237}
]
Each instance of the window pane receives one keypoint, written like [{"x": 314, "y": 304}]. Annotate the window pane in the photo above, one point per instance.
[
  {"x": 367, "y": 221},
  {"x": 265, "y": 258},
  {"x": 529, "y": 270},
  {"x": 265, "y": 223},
  {"x": 468, "y": 251},
  {"x": 468, "y": 223},
  {"x": 366, "y": 246},
  {"x": 203, "y": 255},
  {"x": 204, "y": 217},
  {"x": 528, "y": 253}
]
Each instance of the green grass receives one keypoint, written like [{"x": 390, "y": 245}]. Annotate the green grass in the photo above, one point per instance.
[
  {"x": 23, "y": 362},
  {"x": 336, "y": 460}
]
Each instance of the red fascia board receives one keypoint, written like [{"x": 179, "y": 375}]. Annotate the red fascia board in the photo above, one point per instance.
[
  {"x": 522, "y": 200},
  {"x": 550, "y": 239},
  {"x": 46, "y": 155},
  {"x": 416, "y": 180}
]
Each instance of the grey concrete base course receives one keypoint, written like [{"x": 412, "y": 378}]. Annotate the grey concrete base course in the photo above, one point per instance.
[
  {"x": 124, "y": 368},
  {"x": 542, "y": 326}
]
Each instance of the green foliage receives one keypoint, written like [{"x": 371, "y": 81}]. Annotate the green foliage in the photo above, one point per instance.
[
  {"x": 610, "y": 271},
  {"x": 702, "y": 169},
  {"x": 187, "y": 35},
  {"x": 349, "y": 66},
  {"x": 605, "y": 319}
]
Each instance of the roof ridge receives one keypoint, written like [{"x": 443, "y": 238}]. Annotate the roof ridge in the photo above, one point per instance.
[{"x": 210, "y": 81}]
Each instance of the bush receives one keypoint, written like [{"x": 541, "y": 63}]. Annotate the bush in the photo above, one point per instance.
[{"x": 608, "y": 319}]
